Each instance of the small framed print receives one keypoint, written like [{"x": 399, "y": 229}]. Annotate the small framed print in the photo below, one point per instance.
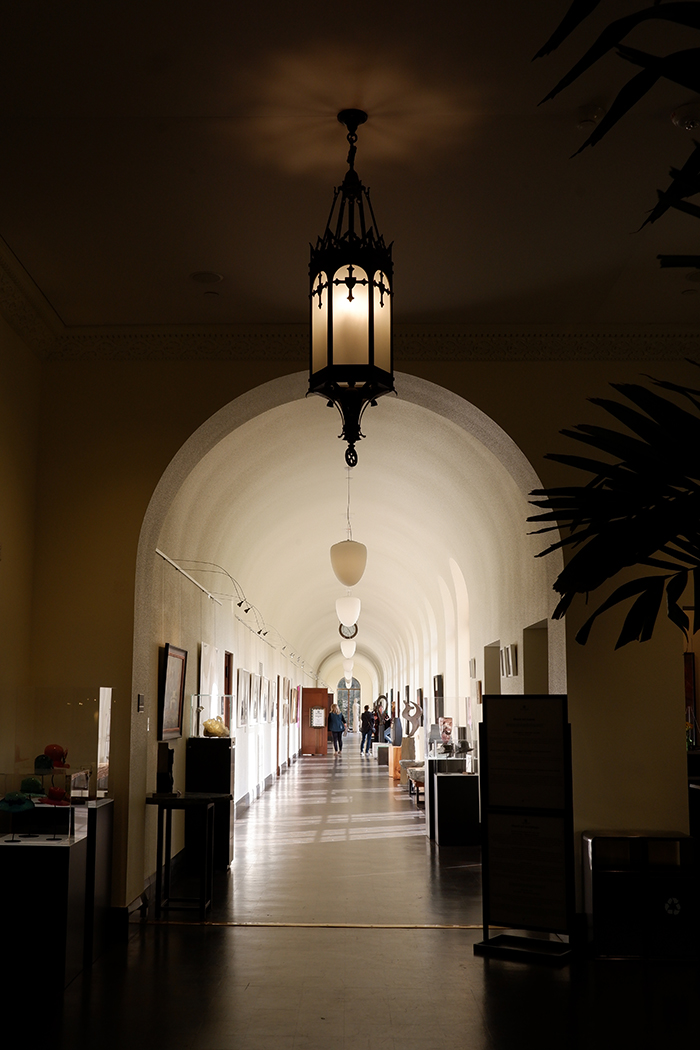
[
  {"x": 254, "y": 710},
  {"x": 265, "y": 700},
  {"x": 171, "y": 692},
  {"x": 243, "y": 697}
]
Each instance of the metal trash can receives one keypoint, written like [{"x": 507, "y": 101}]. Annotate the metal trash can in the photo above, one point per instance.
[{"x": 639, "y": 894}]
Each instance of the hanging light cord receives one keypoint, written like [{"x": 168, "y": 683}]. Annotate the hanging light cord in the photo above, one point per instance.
[{"x": 348, "y": 469}]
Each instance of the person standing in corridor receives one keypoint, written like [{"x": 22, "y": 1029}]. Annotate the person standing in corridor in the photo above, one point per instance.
[
  {"x": 367, "y": 727},
  {"x": 337, "y": 726}
]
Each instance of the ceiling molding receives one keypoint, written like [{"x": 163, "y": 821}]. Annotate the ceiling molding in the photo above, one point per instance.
[
  {"x": 27, "y": 311},
  {"x": 412, "y": 343}
]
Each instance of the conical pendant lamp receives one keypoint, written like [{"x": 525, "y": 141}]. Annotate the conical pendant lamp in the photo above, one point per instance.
[
  {"x": 347, "y": 647},
  {"x": 349, "y": 558},
  {"x": 348, "y": 610}
]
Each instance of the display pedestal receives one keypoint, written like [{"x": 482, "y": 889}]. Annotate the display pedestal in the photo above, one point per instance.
[
  {"x": 98, "y": 886},
  {"x": 42, "y": 890},
  {"x": 394, "y": 759},
  {"x": 434, "y": 766},
  {"x": 457, "y": 809},
  {"x": 210, "y": 766},
  {"x": 381, "y": 753}
]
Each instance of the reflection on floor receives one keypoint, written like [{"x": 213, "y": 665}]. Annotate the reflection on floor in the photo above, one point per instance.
[{"x": 336, "y": 842}]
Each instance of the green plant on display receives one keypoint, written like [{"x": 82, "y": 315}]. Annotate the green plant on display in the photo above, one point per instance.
[{"x": 640, "y": 508}]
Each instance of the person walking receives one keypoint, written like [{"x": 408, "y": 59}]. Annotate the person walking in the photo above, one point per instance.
[
  {"x": 337, "y": 726},
  {"x": 367, "y": 727}
]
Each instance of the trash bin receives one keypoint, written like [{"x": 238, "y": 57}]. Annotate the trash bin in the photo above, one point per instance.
[{"x": 639, "y": 894}]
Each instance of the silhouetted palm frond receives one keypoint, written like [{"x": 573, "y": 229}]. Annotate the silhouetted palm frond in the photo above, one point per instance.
[{"x": 640, "y": 508}]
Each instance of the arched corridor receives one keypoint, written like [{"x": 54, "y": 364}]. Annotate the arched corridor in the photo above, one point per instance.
[{"x": 439, "y": 498}]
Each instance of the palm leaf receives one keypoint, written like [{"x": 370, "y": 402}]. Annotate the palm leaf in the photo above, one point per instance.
[
  {"x": 641, "y": 510},
  {"x": 640, "y": 619}
]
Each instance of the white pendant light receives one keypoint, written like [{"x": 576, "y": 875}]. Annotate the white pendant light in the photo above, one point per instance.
[
  {"x": 348, "y": 610},
  {"x": 347, "y": 647},
  {"x": 348, "y": 683},
  {"x": 348, "y": 560},
  {"x": 348, "y": 666}
]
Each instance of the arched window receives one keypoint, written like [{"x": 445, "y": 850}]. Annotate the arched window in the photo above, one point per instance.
[{"x": 345, "y": 698}]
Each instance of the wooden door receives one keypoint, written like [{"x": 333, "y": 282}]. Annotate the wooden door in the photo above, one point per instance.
[{"x": 314, "y": 739}]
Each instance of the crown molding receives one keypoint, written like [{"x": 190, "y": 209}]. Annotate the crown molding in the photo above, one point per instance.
[
  {"x": 411, "y": 343},
  {"x": 27, "y": 311}
]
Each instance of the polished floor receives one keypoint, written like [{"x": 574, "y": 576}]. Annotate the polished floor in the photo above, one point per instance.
[{"x": 342, "y": 926}]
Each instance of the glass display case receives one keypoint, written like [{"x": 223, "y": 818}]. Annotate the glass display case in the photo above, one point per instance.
[
  {"x": 38, "y": 806},
  {"x": 455, "y": 737},
  {"x": 211, "y": 715},
  {"x": 74, "y": 723}
]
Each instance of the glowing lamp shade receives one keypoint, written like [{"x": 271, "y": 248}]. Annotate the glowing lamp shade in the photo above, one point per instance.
[
  {"x": 347, "y": 647},
  {"x": 348, "y": 610},
  {"x": 348, "y": 683},
  {"x": 348, "y": 666},
  {"x": 348, "y": 559},
  {"x": 351, "y": 275}
]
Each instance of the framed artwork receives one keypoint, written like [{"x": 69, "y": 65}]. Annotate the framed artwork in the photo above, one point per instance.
[
  {"x": 285, "y": 689},
  {"x": 265, "y": 701},
  {"x": 254, "y": 711},
  {"x": 171, "y": 692},
  {"x": 208, "y": 670},
  {"x": 445, "y": 726},
  {"x": 272, "y": 709},
  {"x": 243, "y": 697},
  {"x": 512, "y": 660}
]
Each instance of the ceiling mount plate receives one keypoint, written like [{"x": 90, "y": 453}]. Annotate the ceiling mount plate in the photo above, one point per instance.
[{"x": 352, "y": 118}]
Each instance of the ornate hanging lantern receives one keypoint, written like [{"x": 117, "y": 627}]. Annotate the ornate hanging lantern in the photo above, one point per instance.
[{"x": 351, "y": 274}]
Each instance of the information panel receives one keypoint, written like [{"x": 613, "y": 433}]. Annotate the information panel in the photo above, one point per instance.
[
  {"x": 527, "y": 864},
  {"x": 527, "y": 821},
  {"x": 525, "y": 752}
]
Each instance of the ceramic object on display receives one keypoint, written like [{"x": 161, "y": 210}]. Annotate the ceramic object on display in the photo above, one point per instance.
[
  {"x": 58, "y": 756},
  {"x": 31, "y": 786},
  {"x": 215, "y": 727}
]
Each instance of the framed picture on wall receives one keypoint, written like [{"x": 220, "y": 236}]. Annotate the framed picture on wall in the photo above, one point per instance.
[
  {"x": 272, "y": 709},
  {"x": 254, "y": 712},
  {"x": 243, "y": 681},
  {"x": 171, "y": 691},
  {"x": 264, "y": 700}
]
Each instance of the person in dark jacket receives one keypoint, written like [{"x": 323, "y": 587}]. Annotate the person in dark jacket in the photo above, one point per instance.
[
  {"x": 367, "y": 727},
  {"x": 337, "y": 726}
]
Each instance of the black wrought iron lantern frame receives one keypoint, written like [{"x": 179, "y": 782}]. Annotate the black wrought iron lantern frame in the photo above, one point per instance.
[{"x": 351, "y": 361}]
